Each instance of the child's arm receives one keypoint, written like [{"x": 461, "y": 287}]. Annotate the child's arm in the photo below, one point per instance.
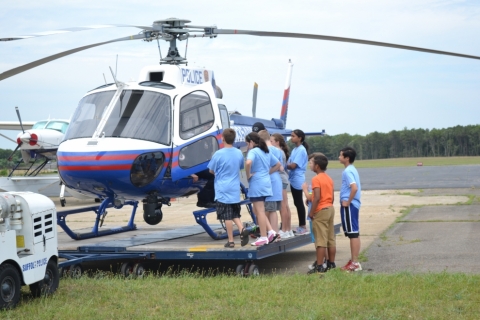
[
  {"x": 276, "y": 167},
  {"x": 315, "y": 202},
  {"x": 308, "y": 195},
  {"x": 248, "y": 166}
]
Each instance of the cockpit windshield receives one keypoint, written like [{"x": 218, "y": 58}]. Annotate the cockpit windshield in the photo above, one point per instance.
[
  {"x": 60, "y": 126},
  {"x": 88, "y": 115},
  {"x": 142, "y": 115},
  {"x": 137, "y": 114},
  {"x": 39, "y": 125}
]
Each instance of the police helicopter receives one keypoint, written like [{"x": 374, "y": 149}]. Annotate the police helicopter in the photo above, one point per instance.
[{"x": 142, "y": 140}]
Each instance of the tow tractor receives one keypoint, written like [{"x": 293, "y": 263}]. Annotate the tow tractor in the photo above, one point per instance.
[{"x": 28, "y": 242}]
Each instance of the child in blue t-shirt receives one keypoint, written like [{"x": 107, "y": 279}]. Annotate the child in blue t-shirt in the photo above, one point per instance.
[{"x": 226, "y": 164}]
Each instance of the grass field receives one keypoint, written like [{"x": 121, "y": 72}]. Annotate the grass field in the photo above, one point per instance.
[
  {"x": 336, "y": 295},
  {"x": 409, "y": 162}
]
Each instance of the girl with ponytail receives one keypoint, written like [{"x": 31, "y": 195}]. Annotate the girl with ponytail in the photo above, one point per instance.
[
  {"x": 297, "y": 164},
  {"x": 258, "y": 166}
]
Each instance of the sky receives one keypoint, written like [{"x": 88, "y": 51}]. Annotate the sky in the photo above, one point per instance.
[{"x": 339, "y": 87}]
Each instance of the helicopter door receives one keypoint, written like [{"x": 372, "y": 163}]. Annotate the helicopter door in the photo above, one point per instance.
[{"x": 197, "y": 132}]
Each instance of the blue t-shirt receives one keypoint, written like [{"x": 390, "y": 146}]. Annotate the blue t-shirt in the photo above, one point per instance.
[
  {"x": 349, "y": 176},
  {"x": 297, "y": 175},
  {"x": 275, "y": 178},
  {"x": 259, "y": 184},
  {"x": 226, "y": 163}
]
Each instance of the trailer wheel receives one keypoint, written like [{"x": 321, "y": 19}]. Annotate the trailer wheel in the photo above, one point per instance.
[
  {"x": 75, "y": 271},
  {"x": 9, "y": 286},
  {"x": 49, "y": 284},
  {"x": 253, "y": 270},
  {"x": 240, "y": 271},
  {"x": 126, "y": 269},
  {"x": 138, "y": 270}
]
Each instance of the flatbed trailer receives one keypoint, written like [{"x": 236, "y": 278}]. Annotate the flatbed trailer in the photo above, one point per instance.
[{"x": 170, "y": 243}]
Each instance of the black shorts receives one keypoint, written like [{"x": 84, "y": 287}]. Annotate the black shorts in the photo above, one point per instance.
[{"x": 228, "y": 211}]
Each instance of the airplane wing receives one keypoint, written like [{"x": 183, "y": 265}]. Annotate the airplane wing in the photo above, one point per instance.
[{"x": 15, "y": 125}]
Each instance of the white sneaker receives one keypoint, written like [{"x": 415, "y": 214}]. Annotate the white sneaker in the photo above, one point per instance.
[
  {"x": 286, "y": 235},
  {"x": 260, "y": 242},
  {"x": 291, "y": 234}
]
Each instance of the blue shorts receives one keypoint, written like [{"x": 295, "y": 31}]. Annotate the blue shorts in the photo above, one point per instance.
[{"x": 350, "y": 224}]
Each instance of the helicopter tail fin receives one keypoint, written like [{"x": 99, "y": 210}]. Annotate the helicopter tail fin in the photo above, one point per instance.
[{"x": 286, "y": 93}]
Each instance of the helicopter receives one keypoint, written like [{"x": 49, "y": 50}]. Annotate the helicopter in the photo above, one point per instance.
[{"x": 142, "y": 140}]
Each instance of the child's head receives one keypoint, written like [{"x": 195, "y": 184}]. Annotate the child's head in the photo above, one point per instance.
[
  {"x": 320, "y": 162},
  {"x": 264, "y": 135},
  {"x": 229, "y": 135},
  {"x": 347, "y": 155},
  {"x": 311, "y": 163},
  {"x": 253, "y": 140}
]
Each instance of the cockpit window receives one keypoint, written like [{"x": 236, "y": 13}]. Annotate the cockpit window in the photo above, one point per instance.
[
  {"x": 88, "y": 115},
  {"x": 196, "y": 114},
  {"x": 58, "y": 126},
  {"x": 39, "y": 125},
  {"x": 142, "y": 115}
]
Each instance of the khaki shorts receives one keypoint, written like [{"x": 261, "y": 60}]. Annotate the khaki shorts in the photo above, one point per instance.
[{"x": 324, "y": 228}]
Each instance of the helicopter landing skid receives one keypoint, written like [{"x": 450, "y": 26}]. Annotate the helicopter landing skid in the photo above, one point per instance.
[
  {"x": 201, "y": 218},
  {"x": 100, "y": 211}
]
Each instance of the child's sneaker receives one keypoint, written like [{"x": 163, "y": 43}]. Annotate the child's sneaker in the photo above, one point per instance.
[
  {"x": 352, "y": 266},
  {"x": 318, "y": 269},
  {"x": 291, "y": 234},
  {"x": 260, "y": 242},
  {"x": 301, "y": 230},
  {"x": 272, "y": 235},
  {"x": 314, "y": 264},
  {"x": 331, "y": 265}
]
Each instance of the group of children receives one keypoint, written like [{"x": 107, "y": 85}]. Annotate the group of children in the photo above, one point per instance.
[{"x": 266, "y": 167}]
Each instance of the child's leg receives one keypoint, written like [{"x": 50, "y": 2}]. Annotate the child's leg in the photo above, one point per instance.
[
  {"x": 259, "y": 209},
  {"x": 229, "y": 226},
  {"x": 273, "y": 220},
  {"x": 320, "y": 255}
]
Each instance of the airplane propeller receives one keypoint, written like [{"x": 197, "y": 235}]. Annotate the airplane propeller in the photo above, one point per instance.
[
  {"x": 174, "y": 29},
  {"x": 19, "y": 142}
]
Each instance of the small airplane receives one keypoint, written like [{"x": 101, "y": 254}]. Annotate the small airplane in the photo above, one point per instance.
[
  {"x": 38, "y": 141},
  {"x": 142, "y": 140}
]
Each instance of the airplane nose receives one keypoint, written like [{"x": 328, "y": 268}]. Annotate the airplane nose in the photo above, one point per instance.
[{"x": 30, "y": 138}]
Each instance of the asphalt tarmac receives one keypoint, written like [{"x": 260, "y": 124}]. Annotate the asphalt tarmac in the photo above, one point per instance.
[
  {"x": 441, "y": 236},
  {"x": 433, "y": 177}
]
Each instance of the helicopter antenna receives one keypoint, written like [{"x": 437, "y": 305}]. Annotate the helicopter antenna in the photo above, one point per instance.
[
  {"x": 114, "y": 77},
  {"x": 104, "y": 78}
]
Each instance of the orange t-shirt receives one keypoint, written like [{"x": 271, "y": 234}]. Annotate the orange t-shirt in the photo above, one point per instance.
[{"x": 325, "y": 183}]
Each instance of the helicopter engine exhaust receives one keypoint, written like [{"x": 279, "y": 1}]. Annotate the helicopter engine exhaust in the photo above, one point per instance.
[{"x": 152, "y": 213}]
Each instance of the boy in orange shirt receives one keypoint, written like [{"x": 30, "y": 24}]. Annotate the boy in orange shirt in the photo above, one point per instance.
[{"x": 322, "y": 214}]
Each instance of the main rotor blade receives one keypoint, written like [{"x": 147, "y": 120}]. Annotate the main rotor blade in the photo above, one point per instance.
[
  {"x": 31, "y": 65},
  {"x": 74, "y": 29},
  {"x": 339, "y": 39}
]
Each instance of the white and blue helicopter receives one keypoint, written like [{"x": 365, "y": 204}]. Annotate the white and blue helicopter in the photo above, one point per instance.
[{"x": 142, "y": 140}]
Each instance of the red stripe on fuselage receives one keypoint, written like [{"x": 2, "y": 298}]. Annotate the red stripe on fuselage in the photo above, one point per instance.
[
  {"x": 95, "y": 168},
  {"x": 98, "y": 157}
]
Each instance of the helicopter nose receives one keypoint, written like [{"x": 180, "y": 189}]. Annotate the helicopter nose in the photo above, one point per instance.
[{"x": 30, "y": 138}]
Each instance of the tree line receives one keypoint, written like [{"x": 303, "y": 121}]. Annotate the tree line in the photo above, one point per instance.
[{"x": 448, "y": 142}]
